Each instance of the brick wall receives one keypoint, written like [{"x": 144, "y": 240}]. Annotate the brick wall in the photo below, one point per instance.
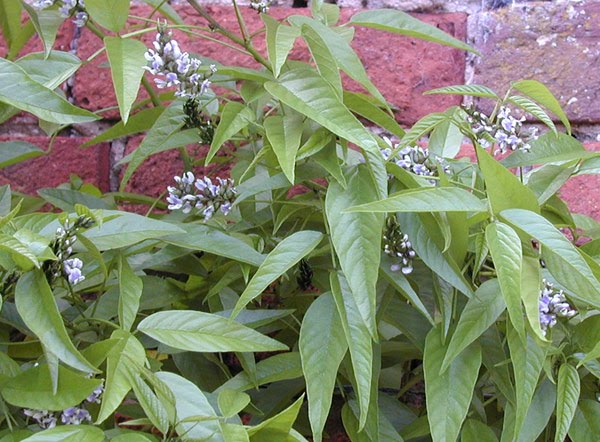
[{"x": 556, "y": 42}]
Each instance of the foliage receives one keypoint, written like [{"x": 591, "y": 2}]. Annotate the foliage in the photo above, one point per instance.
[{"x": 333, "y": 266}]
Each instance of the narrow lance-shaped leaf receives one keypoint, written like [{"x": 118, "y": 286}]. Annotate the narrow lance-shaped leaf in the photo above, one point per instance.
[
  {"x": 540, "y": 93},
  {"x": 234, "y": 117},
  {"x": 204, "y": 332},
  {"x": 130, "y": 292},
  {"x": 359, "y": 342},
  {"x": 562, "y": 258},
  {"x": 324, "y": 58},
  {"x": 46, "y": 23},
  {"x": 566, "y": 400},
  {"x": 474, "y": 90},
  {"x": 322, "y": 348},
  {"x": 354, "y": 235},
  {"x": 285, "y": 133},
  {"x": 481, "y": 311},
  {"x": 449, "y": 393},
  {"x": 426, "y": 199},
  {"x": 127, "y": 61},
  {"x": 280, "y": 41},
  {"x": 19, "y": 90},
  {"x": 505, "y": 247},
  {"x": 400, "y": 22},
  {"x": 36, "y": 305},
  {"x": 286, "y": 254},
  {"x": 534, "y": 109}
]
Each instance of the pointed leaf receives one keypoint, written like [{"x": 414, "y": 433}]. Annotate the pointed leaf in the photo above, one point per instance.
[
  {"x": 448, "y": 394},
  {"x": 130, "y": 292},
  {"x": 234, "y": 117},
  {"x": 586, "y": 423},
  {"x": 68, "y": 433},
  {"x": 566, "y": 401},
  {"x": 46, "y": 23},
  {"x": 36, "y": 305},
  {"x": 280, "y": 41},
  {"x": 12, "y": 152},
  {"x": 19, "y": 90},
  {"x": 400, "y": 22},
  {"x": 481, "y": 311},
  {"x": 204, "y": 332},
  {"x": 505, "y": 247},
  {"x": 231, "y": 402},
  {"x": 322, "y": 347},
  {"x": 473, "y": 90},
  {"x": 127, "y": 62},
  {"x": 324, "y": 58},
  {"x": 111, "y": 14},
  {"x": 549, "y": 148},
  {"x": 278, "y": 427},
  {"x": 426, "y": 199},
  {"x": 285, "y": 255},
  {"x": 540, "y": 411},
  {"x": 534, "y": 109},
  {"x": 357, "y": 234},
  {"x": 284, "y": 134},
  {"x": 540, "y": 93},
  {"x": 365, "y": 107}
]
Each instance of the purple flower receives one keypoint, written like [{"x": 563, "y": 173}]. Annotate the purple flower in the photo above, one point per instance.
[
  {"x": 72, "y": 269},
  {"x": 44, "y": 418},
  {"x": 75, "y": 416},
  {"x": 95, "y": 396}
]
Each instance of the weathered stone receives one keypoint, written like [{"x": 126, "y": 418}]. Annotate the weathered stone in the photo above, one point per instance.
[
  {"x": 555, "y": 43},
  {"x": 65, "y": 158},
  {"x": 403, "y": 68}
]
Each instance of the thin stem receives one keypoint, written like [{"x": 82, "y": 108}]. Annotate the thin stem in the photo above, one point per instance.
[
  {"x": 241, "y": 22},
  {"x": 411, "y": 383}
]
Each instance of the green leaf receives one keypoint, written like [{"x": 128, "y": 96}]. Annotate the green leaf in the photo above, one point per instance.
[
  {"x": 166, "y": 124},
  {"x": 359, "y": 342},
  {"x": 562, "y": 258},
  {"x": 540, "y": 93},
  {"x": 68, "y": 433},
  {"x": 19, "y": 90},
  {"x": 399, "y": 22},
  {"x": 476, "y": 431},
  {"x": 474, "y": 90},
  {"x": 191, "y": 405},
  {"x": 46, "y": 23},
  {"x": 534, "y": 109},
  {"x": 504, "y": 190},
  {"x": 549, "y": 148},
  {"x": 36, "y": 305},
  {"x": 20, "y": 253},
  {"x": 322, "y": 347},
  {"x": 540, "y": 411},
  {"x": 527, "y": 359},
  {"x": 362, "y": 105},
  {"x": 66, "y": 199},
  {"x": 284, "y": 134},
  {"x": 33, "y": 388},
  {"x": 204, "y": 332},
  {"x": 231, "y": 402},
  {"x": 139, "y": 122},
  {"x": 345, "y": 56},
  {"x": 305, "y": 91},
  {"x": 568, "y": 390},
  {"x": 50, "y": 70},
  {"x": 448, "y": 394},
  {"x": 328, "y": 158},
  {"x": 277, "y": 428},
  {"x": 545, "y": 181},
  {"x": 234, "y": 117},
  {"x": 130, "y": 292},
  {"x": 586, "y": 423},
  {"x": 505, "y": 247},
  {"x": 127, "y": 229},
  {"x": 280, "y": 41},
  {"x": 10, "y": 24},
  {"x": 481, "y": 311},
  {"x": 111, "y": 14},
  {"x": 118, "y": 371},
  {"x": 324, "y": 58},
  {"x": 426, "y": 199},
  {"x": 210, "y": 240},
  {"x": 422, "y": 127},
  {"x": 127, "y": 62},
  {"x": 357, "y": 234},
  {"x": 166, "y": 10},
  {"x": 153, "y": 407},
  {"x": 282, "y": 258},
  {"x": 445, "y": 140}
]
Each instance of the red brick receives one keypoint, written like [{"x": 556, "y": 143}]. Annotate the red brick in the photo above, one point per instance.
[
  {"x": 62, "y": 43},
  {"x": 403, "y": 68},
  {"x": 555, "y": 43},
  {"x": 65, "y": 158}
]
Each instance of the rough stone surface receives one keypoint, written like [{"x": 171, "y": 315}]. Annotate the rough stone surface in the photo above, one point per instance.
[
  {"x": 581, "y": 192},
  {"x": 555, "y": 43},
  {"x": 403, "y": 68},
  {"x": 65, "y": 158}
]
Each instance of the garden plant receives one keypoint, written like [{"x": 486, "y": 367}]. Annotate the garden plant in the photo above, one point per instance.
[{"x": 338, "y": 268}]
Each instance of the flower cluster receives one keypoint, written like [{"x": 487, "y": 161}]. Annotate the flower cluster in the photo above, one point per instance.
[
  {"x": 71, "y": 416},
  {"x": 62, "y": 246},
  {"x": 504, "y": 130},
  {"x": 397, "y": 245},
  {"x": 194, "y": 118},
  {"x": 68, "y": 8},
  {"x": 176, "y": 68},
  {"x": 202, "y": 194},
  {"x": 553, "y": 305},
  {"x": 261, "y": 6},
  {"x": 413, "y": 159}
]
